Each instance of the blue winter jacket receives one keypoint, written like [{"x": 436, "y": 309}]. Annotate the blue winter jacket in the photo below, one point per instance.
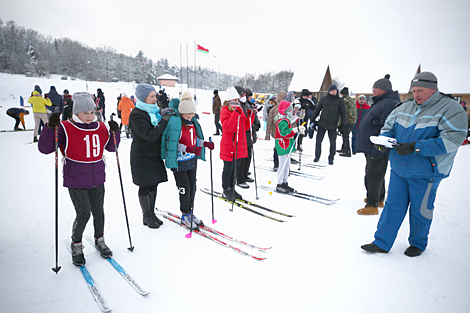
[
  {"x": 438, "y": 127},
  {"x": 374, "y": 120},
  {"x": 172, "y": 134}
]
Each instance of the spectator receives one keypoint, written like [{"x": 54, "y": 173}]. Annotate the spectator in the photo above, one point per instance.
[
  {"x": 164, "y": 99},
  {"x": 39, "y": 111},
  {"x": 125, "y": 107},
  {"x": 101, "y": 104},
  {"x": 385, "y": 100},
  {"x": 56, "y": 100},
  {"x": 362, "y": 109},
  {"x": 67, "y": 106},
  {"x": 331, "y": 107},
  {"x": 428, "y": 130},
  {"x": 216, "y": 105},
  {"x": 351, "y": 118}
]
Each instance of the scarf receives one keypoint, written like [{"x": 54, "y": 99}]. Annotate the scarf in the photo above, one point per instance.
[{"x": 151, "y": 109}]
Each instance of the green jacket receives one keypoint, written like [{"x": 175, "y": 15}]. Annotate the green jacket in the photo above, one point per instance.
[
  {"x": 171, "y": 136},
  {"x": 351, "y": 110}
]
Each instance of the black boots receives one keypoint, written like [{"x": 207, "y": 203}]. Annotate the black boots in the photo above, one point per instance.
[{"x": 147, "y": 204}]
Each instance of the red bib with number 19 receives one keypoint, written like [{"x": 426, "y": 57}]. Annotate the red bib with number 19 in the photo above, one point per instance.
[{"x": 85, "y": 145}]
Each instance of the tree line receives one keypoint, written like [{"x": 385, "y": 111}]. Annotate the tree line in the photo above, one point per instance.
[{"x": 25, "y": 51}]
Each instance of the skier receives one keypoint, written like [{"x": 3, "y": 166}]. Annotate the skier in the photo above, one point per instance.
[
  {"x": 285, "y": 143},
  {"x": 147, "y": 167},
  {"x": 82, "y": 141},
  {"x": 182, "y": 144},
  {"x": 125, "y": 107},
  {"x": 233, "y": 142},
  {"x": 18, "y": 114},
  {"x": 56, "y": 100}
]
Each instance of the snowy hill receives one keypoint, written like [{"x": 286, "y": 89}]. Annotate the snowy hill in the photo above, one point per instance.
[{"x": 315, "y": 264}]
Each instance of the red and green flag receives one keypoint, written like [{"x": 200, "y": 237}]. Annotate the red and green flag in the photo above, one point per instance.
[{"x": 202, "y": 49}]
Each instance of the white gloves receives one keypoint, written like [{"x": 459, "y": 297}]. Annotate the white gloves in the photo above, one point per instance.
[{"x": 300, "y": 129}]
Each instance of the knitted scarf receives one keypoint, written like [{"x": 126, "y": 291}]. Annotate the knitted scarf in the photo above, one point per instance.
[{"x": 151, "y": 109}]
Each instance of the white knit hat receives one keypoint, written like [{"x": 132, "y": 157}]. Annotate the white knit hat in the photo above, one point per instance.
[
  {"x": 82, "y": 101},
  {"x": 186, "y": 105},
  {"x": 231, "y": 94}
]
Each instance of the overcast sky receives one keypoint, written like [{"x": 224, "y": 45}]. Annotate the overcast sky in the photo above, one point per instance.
[{"x": 256, "y": 36}]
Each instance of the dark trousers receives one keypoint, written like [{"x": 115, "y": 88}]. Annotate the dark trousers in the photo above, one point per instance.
[
  {"x": 218, "y": 127},
  {"x": 355, "y": 137},
  {"x": 346, "y": 147},
  {"x": 186, "y": 183},
  {"x": 228, "y": 174},
  {"x": 244, "y": 167},
  {"x": 17, "y": 119},
  {"x": 275, "y": 158},
  {"x": 332, "y": 136},
  {"x": 87, "y": 201},
  {"x": 374, "y": 179}
]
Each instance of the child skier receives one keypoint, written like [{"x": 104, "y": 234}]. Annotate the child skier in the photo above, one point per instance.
[
  {"x": 182, "y": 145},
  {"x": 285, "y": 144},
  {"x": 82, "y": 141}
]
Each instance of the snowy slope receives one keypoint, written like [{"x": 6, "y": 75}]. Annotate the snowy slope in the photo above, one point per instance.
[{"x": 315, "y": 264}]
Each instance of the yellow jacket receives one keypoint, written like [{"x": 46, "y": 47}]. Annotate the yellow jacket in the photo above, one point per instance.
[{"x": 39, "y": 103}]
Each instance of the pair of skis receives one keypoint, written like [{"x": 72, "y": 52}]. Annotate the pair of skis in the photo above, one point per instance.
[
  {"x": 292, "y": 172},
  {"x": 206, "y": 231},
  {"x": 242, "y": 203},
  {"x": 94, "y": 287},
  {"x": 302, "y": 195}
]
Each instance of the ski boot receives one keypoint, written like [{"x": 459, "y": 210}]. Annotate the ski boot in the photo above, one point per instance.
[
  {"x": 105, "y": 252},
  {"x": 78, "y": 258}
]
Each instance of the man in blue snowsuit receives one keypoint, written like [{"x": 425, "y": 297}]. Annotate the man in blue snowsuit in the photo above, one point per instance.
[{"x": 428, "y": 129}]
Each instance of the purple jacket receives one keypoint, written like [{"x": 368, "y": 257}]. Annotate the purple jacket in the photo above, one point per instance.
[{"x": 77, "y": 175}]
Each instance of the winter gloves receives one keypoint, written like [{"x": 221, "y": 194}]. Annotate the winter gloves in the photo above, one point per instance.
[
  {"x": 209, "y": 145},
  {"x": 114, "y": 127},
  {"x": 400, "y": 148},
  {"x": 54, "y": 120},
  {"x": 300, "y": 129},
  {"x": 405, "y": 148},
  {"x": 166, "y": 113}
]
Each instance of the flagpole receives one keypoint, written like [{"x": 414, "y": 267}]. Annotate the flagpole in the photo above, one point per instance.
[
  {"x": 187, "y": 66},
  {"x": 195, "y": 69},
  {"x": 181, "y": 70}
]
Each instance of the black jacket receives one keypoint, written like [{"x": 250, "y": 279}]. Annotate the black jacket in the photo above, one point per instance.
[
  {"x": 147, "y": 166},
  {"x": 331, "y": 107},
  {"x": 374, "y": 120}
]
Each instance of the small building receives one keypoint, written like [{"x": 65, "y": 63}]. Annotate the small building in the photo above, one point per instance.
[
  {"x": 167, "y": 80},
  {"x": 313, "y": 79}
]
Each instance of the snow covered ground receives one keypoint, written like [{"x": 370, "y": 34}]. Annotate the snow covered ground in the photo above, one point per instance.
[{"x": 315, "y": 264}]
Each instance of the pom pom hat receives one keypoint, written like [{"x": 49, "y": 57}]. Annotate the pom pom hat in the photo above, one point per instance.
[
  {"x": 231, "y": 94},
  {"x": 186, "y": 105}
]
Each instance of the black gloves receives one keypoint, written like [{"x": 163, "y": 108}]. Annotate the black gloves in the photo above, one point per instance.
[
  {"x": 114, "y": 127},
  {"x": 380, "y": 148},
  {"x": 54, "y": 120},
  {"x": 405, "y": 148}
]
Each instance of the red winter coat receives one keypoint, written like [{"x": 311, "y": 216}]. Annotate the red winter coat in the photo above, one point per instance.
[{"x": 229, "y": 120}]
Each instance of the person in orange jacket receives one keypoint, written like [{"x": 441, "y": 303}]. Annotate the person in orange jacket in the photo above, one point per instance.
[
  {"x": 126, "y": 106},
  {"x": 18, "y": 114}
]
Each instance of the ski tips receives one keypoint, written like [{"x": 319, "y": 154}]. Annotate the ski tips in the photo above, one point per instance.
[
  {"x": 188, "y": 235},
  {"x": 214, "y": 221},
  {"x": 269, "y": 182},
  {"x": 131, "y": 249},
  {"x": 56, "y": 269},
  {"x": 270, "y": 193}
]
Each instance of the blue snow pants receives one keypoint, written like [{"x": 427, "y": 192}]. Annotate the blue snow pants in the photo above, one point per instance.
[{"x": 417, "y": 194}]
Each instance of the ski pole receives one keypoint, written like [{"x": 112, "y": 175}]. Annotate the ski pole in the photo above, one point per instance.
[
  {"x": 212, "y": 185},
  {"x": 235, "y": 162},
  {"x": 56, "y": 269},
  {"x": 131, "y": 248},
  {"x": 254, "y": 164}
]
